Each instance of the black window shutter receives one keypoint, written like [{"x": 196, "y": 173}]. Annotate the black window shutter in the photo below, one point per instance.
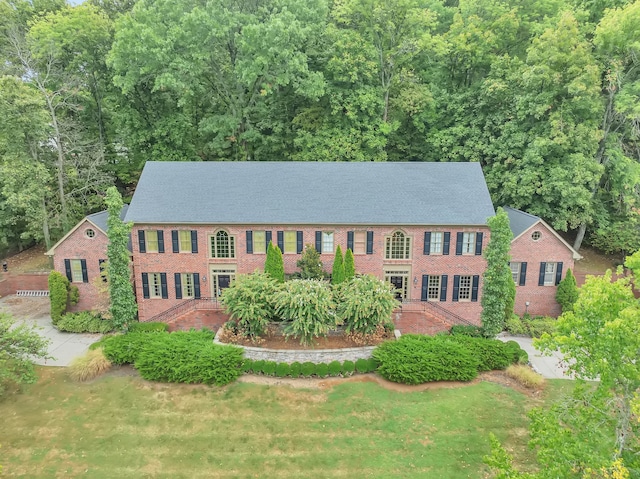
[
  {"x": 249, "y": 242},
  {"x": 479, "y": 243},
  {"x": 145, "y": 285},
  {"x": 558, "y": 273},
  {"x": 160, "y": 241},
  {"x": 194, "y": 241},
  {"x": 446, "y": 242},
  {"x": 299, "y": 242},
  {"x": 369, "y": 242},
  {"x": 163, "y": 285},
  {"x": 319, "y": 241},
  {"x": 178, "y": 285},
  {"x": 474, "y": 288},
  {"x": 101, "y": 268},
  {"x": 425, "y": 285},
  {"x": 67, "y": 268},
  {"x": 267, "y": 240},
  {"x": 281, "y": 241},
  {"x": 174, "y": 241},
  {"x": 350, "y": 240},
  {"x": 141, "y": 243},
  {"x": 456, "y": 287},
  {"x": 196, "y": 285},
  {"x": 541, "y": 277},
  {"x": 85, "y": 275},
  {"x": 427, "y": 242},
  {"x": 523, "y": 274},
  {"x": 459, "y": 243},
  {"x": 443, "y": 287}
]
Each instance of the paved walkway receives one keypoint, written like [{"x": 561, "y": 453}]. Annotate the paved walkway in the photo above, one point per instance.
[{"x": 551, "y": 367}]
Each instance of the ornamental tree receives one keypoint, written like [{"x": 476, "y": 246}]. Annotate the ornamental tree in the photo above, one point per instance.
[
  {"x": 365, "y": 303},
  {"x": 567, "y": 292},
  {"x": 498, "y": 293},
  {"x": 349, "y": 265},
  {"x": 274, "y": 264},
  {"x": 310, "y": 264},
  {"x": 337, "y": 272},
  {"x": 123, "y": 307}
]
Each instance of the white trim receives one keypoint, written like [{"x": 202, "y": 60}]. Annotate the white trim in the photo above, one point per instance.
[
  {"x": 72, "y": 230},
  {"x": 576, "y": 255}
]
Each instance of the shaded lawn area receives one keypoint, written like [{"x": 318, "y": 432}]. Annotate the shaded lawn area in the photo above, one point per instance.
[{"x": 124, "y": 427}]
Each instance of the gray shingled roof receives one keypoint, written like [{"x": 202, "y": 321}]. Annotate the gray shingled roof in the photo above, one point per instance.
[
  {"x": 100, "y": 219},
  {"x": 519, "y": 220},
  {"x": 311, "y": 193}
]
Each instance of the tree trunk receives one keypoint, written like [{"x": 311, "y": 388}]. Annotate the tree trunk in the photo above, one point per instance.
[
  {"x": 59, "y": 163},
  {"x": 45, "y": 225}
]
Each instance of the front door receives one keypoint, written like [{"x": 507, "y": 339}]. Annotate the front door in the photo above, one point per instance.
[
  {"x": 221, "y": 278},
  {"x": 223, "y": 281},
  {"x": 398, "y": 283}
]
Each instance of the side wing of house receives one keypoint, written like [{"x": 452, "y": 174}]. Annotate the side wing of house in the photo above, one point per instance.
[{"x": 539, "y": 261}]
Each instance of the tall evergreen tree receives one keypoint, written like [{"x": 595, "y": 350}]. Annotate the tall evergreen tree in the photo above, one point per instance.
[
  {"x": 567, "y": 292},
  {"x": 349, "y": 265},
  {"x": 337, "y": 273},
  {"x": 497, "y": 290},
  {"x": 274, "y": 264},
  {"x": 123, "y": 302}
]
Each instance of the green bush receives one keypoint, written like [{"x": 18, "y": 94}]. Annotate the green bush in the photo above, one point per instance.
[
  {"x": 307, "y": 369},
  {"x": 540, "y": 325},
  {"x": 515, "y": 325},
  {"x": 322, "y": 370},
  {"x": 99, "y": 343},
  {"x": 269, "y": 368},
  {"x": 348, "y": 367},
  {"x": 490, "y": 353},
  {"x": 258, "y": 366},
  {"x": 362, "y": 366},
  {"x": 247, "y": 365},
  {"x": 274, "y": 264},
  {"x": 294, "y": 369},
  {"x": 373, "y": 364},
  {"x": 282, "y": 370},
  {"x": 84, "y": 322},
  {"x": 365, "y": 303},
  {"x": 335, "y": 368},
  {"x": 567, "y": 292},
  {"x": 74, "y": 294},
  {"x": 472, "y": 331},
  {"x": 58, "y": 295},
  {"x": 124, "y": 348},
  {"x": 310, "y": 264},
  {"x": 516, "y": 353},
  {"x": 153, "y": 327},
  {"x": 414, "y": 359}
]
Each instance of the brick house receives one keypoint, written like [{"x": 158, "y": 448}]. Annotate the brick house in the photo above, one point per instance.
[
  {"x": 539, "y": 260},
  {"x": 196, "y": 225}
]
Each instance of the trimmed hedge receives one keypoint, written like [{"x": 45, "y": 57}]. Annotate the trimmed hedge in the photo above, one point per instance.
[
  {"x": 491, "y": 353},
  {"x": 84, "y": 322},
  {"x": 148, "y": 327},
  {"x": 472, "y": 331}
]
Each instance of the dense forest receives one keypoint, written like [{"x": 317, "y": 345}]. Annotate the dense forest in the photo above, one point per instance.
[{"x": 544, "y": 94}]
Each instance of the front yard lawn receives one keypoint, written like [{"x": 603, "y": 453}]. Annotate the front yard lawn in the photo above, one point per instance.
[{"x": 125, "y": 427}]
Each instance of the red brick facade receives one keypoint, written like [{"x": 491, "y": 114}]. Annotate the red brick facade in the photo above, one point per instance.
[
  {"x": 80, "y": 246},
  {"x": 202, "y": 263},
  {"x": 548, "y": 249},
  {"x": 12, "y": 283}
]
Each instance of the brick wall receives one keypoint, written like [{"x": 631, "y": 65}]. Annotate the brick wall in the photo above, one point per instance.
[
  {"x": 542, "y": 299},
  {"x": 78, "y": 245},
  {"x": 11, "y": 283},
  {"x": 201, "y": 263}
]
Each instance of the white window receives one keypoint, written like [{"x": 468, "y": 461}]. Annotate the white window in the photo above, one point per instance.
[
  {"x": 436, "y": 243},
  {"x": 76, "y": 271},
  {"x": 468, "y": 243},
  {"x": 223, "y": 245},
  {"x": 155, "y": 285},
  {"x": 464, "y": 290},
  {"x": 185, "y": 241},
  {"x": 515, "y": 272},
  {"x": 186, "y": 279},
  {"x": 433, "y": 288},
  {"x": 151, "y": 240},
  {"x": 550, "y": 274},
  {"x": 327, "y": 242},
  {"x": 259, "y": 242},
  {"x": 397, "y": 246},
  {"x": 360, "y": 242}
]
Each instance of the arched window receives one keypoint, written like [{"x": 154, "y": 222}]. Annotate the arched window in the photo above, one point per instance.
[
  {"x": 398, "y": 246},
  {"x": 223, "y": 245}
]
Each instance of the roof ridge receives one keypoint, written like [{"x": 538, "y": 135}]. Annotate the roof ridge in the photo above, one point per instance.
[{"x": 521, "y": 212}]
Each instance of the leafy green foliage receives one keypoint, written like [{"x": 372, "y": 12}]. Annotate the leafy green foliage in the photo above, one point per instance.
[
  {"x": 19, "y": 345},
  {"x": 250, "y": 301},
  {"x": 532, "y": 327},
  {"x": 295, "y": 369},
  {"x": 348, "y": 367},
  {"x": 74, "y": 294},
  {"x": 124, "y": 348},
  {"x": 58, "y": 295},
  {"x": 310, "y": 264},
  {"x": 337, "y": 271},
  {"x": 567, "y": 292},
  {"x": 307, "y": 369},
  {"x": 148, "y": 327},
  {"x": 334, "y": 368},
  {"x": 349, "y": 265},
  {"x": 123, "y": 307},
  {"x": 274, "y": 264},
  {"x": 472, "y": 331},
  {"x": 365, "y": 303},
  {"x": 322, "y": 370},
  {"x": 84, "y": 322},
  {"x": 491, "y": 354},
  {"x": 308, "y": 304},
  {"x": 283, "y": 370}
]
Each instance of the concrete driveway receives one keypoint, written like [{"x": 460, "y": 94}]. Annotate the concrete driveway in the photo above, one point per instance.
[
  {"x": 551, "y": 367},
  {"x": 63, "y": 347}
]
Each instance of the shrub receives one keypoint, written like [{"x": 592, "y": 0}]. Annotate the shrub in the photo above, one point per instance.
[
  {"x": 124, "y": 348},
  {"x": 567, "y": 292},
  {"x": 349, "y": 265},
  {"x": 258, "y": 366},
  {"x": 348, "y": 367},
  {"x": 526, "y": 376},
  {"x": 58, "y": 295},
  {"x": 309, "y": 306},
  {"x": 310, "y": 264},
  {"x": 337, "y": 270},
  {"x": 490, "y": 353},
  {"x": 418, "y": 359},
  {"x": 366, "y": 302},
  {"x": 153, "y": 327},
  {"x": 274, "y": 264},
  {"x": 362, "y": 366},
  {"x": 282, "y": 370},
  {"x": 249, "y": 302},
  {"x": 247, "y": 365},
  {"x": 514, "y": 325},
  {"x": 540, "y": 325},
  {"x": 74, "y": 294},
  {"x": 294, "y": 369},
  {"x": 84, "y": 322},
  {"x": 99, "y": 343},
  {"x": 472, "y": 331},
  {"x": 269, "y": 368},
  {"x": 516, "y": 353},
  {"x": 373, "y": 364},
  {"x": 322, "y": 370},
  {"x": 334, "y": 368},
  {"x": 90, "y": 366},
  {"x": 307, "y": 369}
]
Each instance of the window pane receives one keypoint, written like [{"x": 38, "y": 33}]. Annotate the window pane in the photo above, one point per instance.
[
  {"x": 436, "y": 243},
  {"x": 327, "y": 242},
  {"x": 360, "y": 242},
  {"x": 433, "y": 288},
  {"x": 155, "y": 286},
  {"x": 187, "y": 285},
  {"x": 464, "y": 291},
  {"x": 397, "y": 246},
  {"x": 290, "y": 238},
  {"x": 550, "y": 274},
  {"x": 151, "y": 238},
  {"x": 223, "y": 245},
  {"x": 76, "y": 271},
  {"x": 468, "y": 243},
  {"x": 185, "y": 241},
  {"x": 259, "y": 239},
  {"x": 515, "y": 272}
]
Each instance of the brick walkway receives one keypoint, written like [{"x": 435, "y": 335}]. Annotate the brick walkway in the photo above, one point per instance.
[{"x": 199, "y": 319}]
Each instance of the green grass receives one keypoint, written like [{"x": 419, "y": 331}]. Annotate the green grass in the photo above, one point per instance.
[{"x": 125, "y": 427}]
